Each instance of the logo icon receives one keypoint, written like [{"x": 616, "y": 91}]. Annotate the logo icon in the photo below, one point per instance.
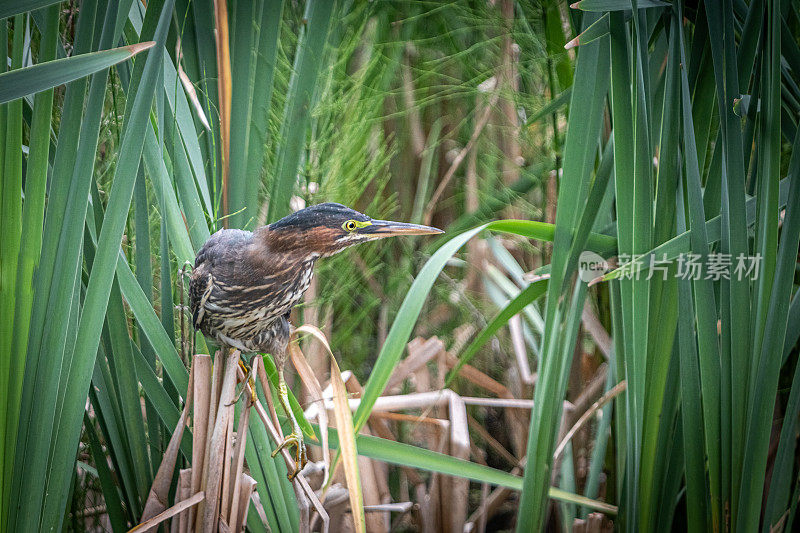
[{"x": 591, "y": 266}]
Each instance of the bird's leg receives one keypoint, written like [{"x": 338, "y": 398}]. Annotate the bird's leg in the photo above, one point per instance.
[
  {"x": 295, "y": 438},
  {"x": 247, "y": 368}
]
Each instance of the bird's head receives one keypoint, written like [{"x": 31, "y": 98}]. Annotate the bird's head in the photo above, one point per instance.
[{"x": 326, "y": 229}]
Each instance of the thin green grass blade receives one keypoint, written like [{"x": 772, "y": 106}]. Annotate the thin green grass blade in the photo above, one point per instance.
[
  {"x": 110, "y": 494},
  {"x": 263, "y": 84},
  {"x": 704, "y": 301},
  {"x": 203, "y": 16},
  {"x": 262, "y": 468},
  {"x": 165, "y": 193},
  {"x": 103, "y": 396},
  {"x": 144, "y": 275},
  {"x": 767, "y": 173},
  {"x": 672, "y": 479},
  {"x": 120, "y": 355},
  {"x": 571, "y": 228},
  {"x": 556, "y": 39},
  {"x": 167, "y": 411},
  {"x": 779, "y": 493},
  {"x": 737, "y": 321},
  {"x": 297, "y": 114},
  {"x": 112, "y": 387},
  {"x": 691, "y": 411},
  {"x": 553, "y": 106},
  {"x": 657, "y": 434},
  {"x": 531, "y": 293},
  {"x": 542, "y": 231},
  {"x": 601, "y": 439},
  {"x": 181, "y": 114},
  {"x": 597, "y": 30},
  {"x": 624, "y": 163},
  {"x": 151, "y": 326},
  {"x": 190, "y": 201},
  {"x": 642, "y": 242},
  {"x": 279, "y": 503},
  {"x": 793, "y": 328},
  {"x": 244, "y": 34},
  {"x": 545, "y": 418}
]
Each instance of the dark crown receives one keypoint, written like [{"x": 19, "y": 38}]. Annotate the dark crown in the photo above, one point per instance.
[{"x": 329, "y": 214}]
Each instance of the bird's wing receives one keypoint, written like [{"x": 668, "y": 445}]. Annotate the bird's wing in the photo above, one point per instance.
[
  {"x": 216, "y": 259},
  {"x": 199, "y": 290}
]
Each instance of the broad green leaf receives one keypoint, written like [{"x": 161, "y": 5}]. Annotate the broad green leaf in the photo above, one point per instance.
[
  {"x": 31, "y": 234},
  {"x": 406, "y": 455},
  {"x": 589, "y": 92},
  {"x": 531, "y": 293},
  {"x": 597, "y": 30},
  {"x": 101, "y": 277},
  {"x": 54, "y": 311},
  {"x": 615, "y": 5},
  {"x": 409, "y": 311},
  {"x": 11, "y": 220},
  {"x": 43, "y": 76},
  {"x": 9, "y": 9}
]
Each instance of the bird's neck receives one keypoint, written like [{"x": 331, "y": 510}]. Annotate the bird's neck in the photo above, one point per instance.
[{"x": 296, "y": 246}]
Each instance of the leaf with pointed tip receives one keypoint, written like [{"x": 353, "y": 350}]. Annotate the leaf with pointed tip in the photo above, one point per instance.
[{"x": 29, "y": 80}]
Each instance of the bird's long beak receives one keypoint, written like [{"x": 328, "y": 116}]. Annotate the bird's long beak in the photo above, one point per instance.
[{"x": 380, "y": 229}]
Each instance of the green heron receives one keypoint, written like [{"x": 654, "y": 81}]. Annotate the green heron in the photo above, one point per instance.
[{"x": 244, "y": 284}]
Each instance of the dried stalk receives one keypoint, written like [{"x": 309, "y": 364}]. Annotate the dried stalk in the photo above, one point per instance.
[
  {"x": 607, "y": 397},
  {"x": 181, "y": 524},
  {"x": 209, "y": 512},
  {"x": 169, "y": 513},
  {"x": 299, "y": 483},
  {"x": 520, "y": 352},
  {"x": 224, "y": 90},
  {"x": 238, "y": 456},
  {"x": 188, "y": 87},
  {"x": 201, "y": 366},
  {"x": 159, "y": 492},
  {"x": 481, "y": 124},
  {"x": 596, "y": 330},
  {"x": 492, "y": 442}
]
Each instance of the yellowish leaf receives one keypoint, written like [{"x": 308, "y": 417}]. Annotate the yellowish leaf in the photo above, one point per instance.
[{"x": 347, "y": 447}]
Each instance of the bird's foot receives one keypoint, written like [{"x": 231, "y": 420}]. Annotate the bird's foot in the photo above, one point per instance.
[
  {"x": 248, "y": 378},
  {"x": 300, "y": 457},
  {"x": 295, "y": 438}
]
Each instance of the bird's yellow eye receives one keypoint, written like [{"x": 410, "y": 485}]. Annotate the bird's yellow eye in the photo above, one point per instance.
[{"x": 350, "y": 225}]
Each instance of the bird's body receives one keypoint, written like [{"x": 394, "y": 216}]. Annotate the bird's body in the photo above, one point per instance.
[
  {"x": 244, "y": 284},
  {"x": 241, "y": 292}
]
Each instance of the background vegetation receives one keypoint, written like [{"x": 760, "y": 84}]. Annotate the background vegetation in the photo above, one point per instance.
[{"x": 130, "y": 131}]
